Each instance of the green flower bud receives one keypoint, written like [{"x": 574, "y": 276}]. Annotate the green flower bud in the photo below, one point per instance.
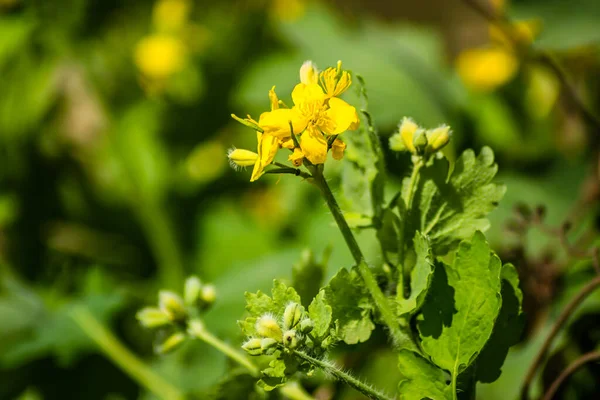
[
  {"x": 420, "y": 140},
  {"x": 306, "y": 325},
  {"x": 208, "y": 295},
  {"x": 171, "y": 343},
  {"x": 151, "y": 317},
  {"x": 290, "y": 339},
  {"x": 172, "y": 305},
  {"x": 438, "y": 138},
  {"x": 191, "y": 291},
  {"x": 268, "y": 345},
  {"x": 266, "y": 326},
  {"x": 253, "y": 347},
  {"x": 292, "y": 315}
]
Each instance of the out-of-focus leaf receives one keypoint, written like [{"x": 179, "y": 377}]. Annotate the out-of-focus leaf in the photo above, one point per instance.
[
  {"x": 420, "y": 277},
  {"x": 453, "y": 335},
  {"x": 421, "y": 378},
  {"x": 307, "y": 276},
  {"x": 449, "y": 209},
  {"x": 14, "y": 32},
  {"x": 351, "y": 305}
]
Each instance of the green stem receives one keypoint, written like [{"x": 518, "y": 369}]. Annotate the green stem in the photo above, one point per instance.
[
  {"x": 454, "y": 379},
  {"x": 408, "y": 200},
  {"x": 343, "y": 376},
  {"x": 121, "y": 356},
  {"x": 401, "y": 338},
  {"x": 196, "y": 329},
  {"x": 161, "y": 236}
]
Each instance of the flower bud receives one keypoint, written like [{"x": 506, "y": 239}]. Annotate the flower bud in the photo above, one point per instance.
[
  {"x": 172, "y": 305},
  {"x": 290, "y": 339},
  {"x": 171, "y": 343},
  {"x": 208, "y": 295},
  {"x": 191, "y": 290},
  {"x": 420, "y": 140},
  {"x": 266, "y": 326},
  {"x": 253, "y": 347},
  {"x": 306, "y": 325},
  {"x": 309, "y": 74},
  {"x": 292, "y": 315},
  {"x": 296, "y": 157},
  {"x": 268, "y": 345},
  {"x": 438, "y": 138},
  {"x": 337, "y": 149},
  {"x": 241, "y": 158},
  {"x": 151, "y": 317}
]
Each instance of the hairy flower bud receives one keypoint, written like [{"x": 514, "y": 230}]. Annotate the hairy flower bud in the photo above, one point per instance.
[
  {"x": 253, "y": 347},
  {"x": 268, "y": 345},
  {"x": 309, "y": 73},
  {"x": 306, "y": 325},
  {"x": 420, "y": 141},
  {"x": 438, "y": 138},
  {"x": 191, "y": 290},
  {"x": 208, "y": 295},
  {"x": 172, "y": 305},
  {"x": 151, "y": 317},
  {"x": 266, "y": 326},
  {"x": 290, "y": 339},
  {"x": 171, "y": 343},
  {"x": 292, "y": 315},
  {"x": 241, "y": 158}
]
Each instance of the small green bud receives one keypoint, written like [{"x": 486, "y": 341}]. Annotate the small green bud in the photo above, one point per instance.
[
  {"x": 171, "y": 343},
  {"x": 268, "y": 345},
  {"x": 172, "y": 305},
  {"x": 306, "y": 325},
  {"x": 396, "y": 143},
  {"x": 253, "y": 347},
  {"x": 292, "y": 315},
  {"x": 208, "y": 295},
  {"x": 151, "y": 317},
  {"x": 266, "y": 326},
  {"x": 290, "y": 339},
  {"x": 438, "y": 138},
  {"x": 191, "y": 290},
  {"x": 420, "y": 140}
]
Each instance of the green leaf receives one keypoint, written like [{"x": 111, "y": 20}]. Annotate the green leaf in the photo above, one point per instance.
[
  {"x": 448, "y": 210},
  {"x": 259, "y": 304},
  {"x": 307, "y": 275},
  {"x": 459, "y": 313},
  {"x": 420, "y": 277},
  {"x": 389, "y": 231},
  {"x": 421, "y": 378},
  {"x": 351, "y": 306},
  {"x": 274, "y": 376},
  {"x": 507, "y": 329},
  {"x": 320, "y": 313}
]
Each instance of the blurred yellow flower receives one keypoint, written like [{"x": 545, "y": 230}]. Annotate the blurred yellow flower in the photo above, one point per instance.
[
  {"x": 206, "y": 162},
  {"x": 170, "y": 15},
  {"x": 288, "y": 10},
  {"x": 486, "y": 68},
  {"x": 159, "y": 56}
]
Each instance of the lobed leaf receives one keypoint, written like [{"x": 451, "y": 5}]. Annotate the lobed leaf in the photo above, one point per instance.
[
  {"x": 420, "y": 277},
  {"x": 321, "y": 314},
  {"x": 421, "y": 378}
]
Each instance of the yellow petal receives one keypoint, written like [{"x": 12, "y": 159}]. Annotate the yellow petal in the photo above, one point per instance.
[
  {"x": 314, "y": 146},
  {"x": 287, "y": 143},
  {"x": 304, "y": 93},
  {"x": 267, "y": 148},
  {"x": 296, "y": 157},
  {"x": 273, "y": 99},
  {"x": 486, "y": 69},
  {"x": 337, "y": 149},
  {"x": 309, "y": 73},
  {"x": 356, "y": 123},
  {"x": 339, "y": 117},
  {"x": 277, "y": 122}
]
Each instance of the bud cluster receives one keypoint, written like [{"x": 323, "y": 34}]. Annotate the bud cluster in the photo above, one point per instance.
[
  {"x": 418, "y": 141},
  {"x": 290, "y": 332},
  {"x": 174, "y": 311}
]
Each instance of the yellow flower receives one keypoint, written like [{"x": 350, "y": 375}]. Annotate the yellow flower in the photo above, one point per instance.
[
  {"x": 486, "y": 68},
  {"x": 159, "y": 56},
  {"x": 335, "y": 81},
  {"x": 170, "y": 15}
]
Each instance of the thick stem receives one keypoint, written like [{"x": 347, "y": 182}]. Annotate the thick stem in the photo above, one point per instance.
[
  {"x": 401, "y": 338},
  {"x": 343, "y": 376},
  {"x": 196, "y": 329},
  {"x": 122, "y": 357},
  {"x": 574, "y": 366},
  {"x": 567, "y": 312}
]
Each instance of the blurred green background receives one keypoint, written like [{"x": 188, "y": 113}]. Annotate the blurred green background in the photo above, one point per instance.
[{"x": 114, "y": 182}]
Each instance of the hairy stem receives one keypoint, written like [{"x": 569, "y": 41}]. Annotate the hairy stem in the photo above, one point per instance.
[
  {"x": 343, "y": 376},
  {"x": 574, "y": 366},
  {"x": 197, "y": 330},
  {"x": 401, "y": 338},
  {"x": 562, "y": 319},
  {"x": 122, "y": 357}
]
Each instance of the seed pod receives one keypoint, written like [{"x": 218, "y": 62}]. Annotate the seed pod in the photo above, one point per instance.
[
  {"x": 253, "y": 347},
  {"x": 306, "y": 325},
  {"x": 172, "y": 305},
  {"x": 266, "y": 326},
  {"x": 292, "y": 315},
  {"x": 290, "y": 339}
]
